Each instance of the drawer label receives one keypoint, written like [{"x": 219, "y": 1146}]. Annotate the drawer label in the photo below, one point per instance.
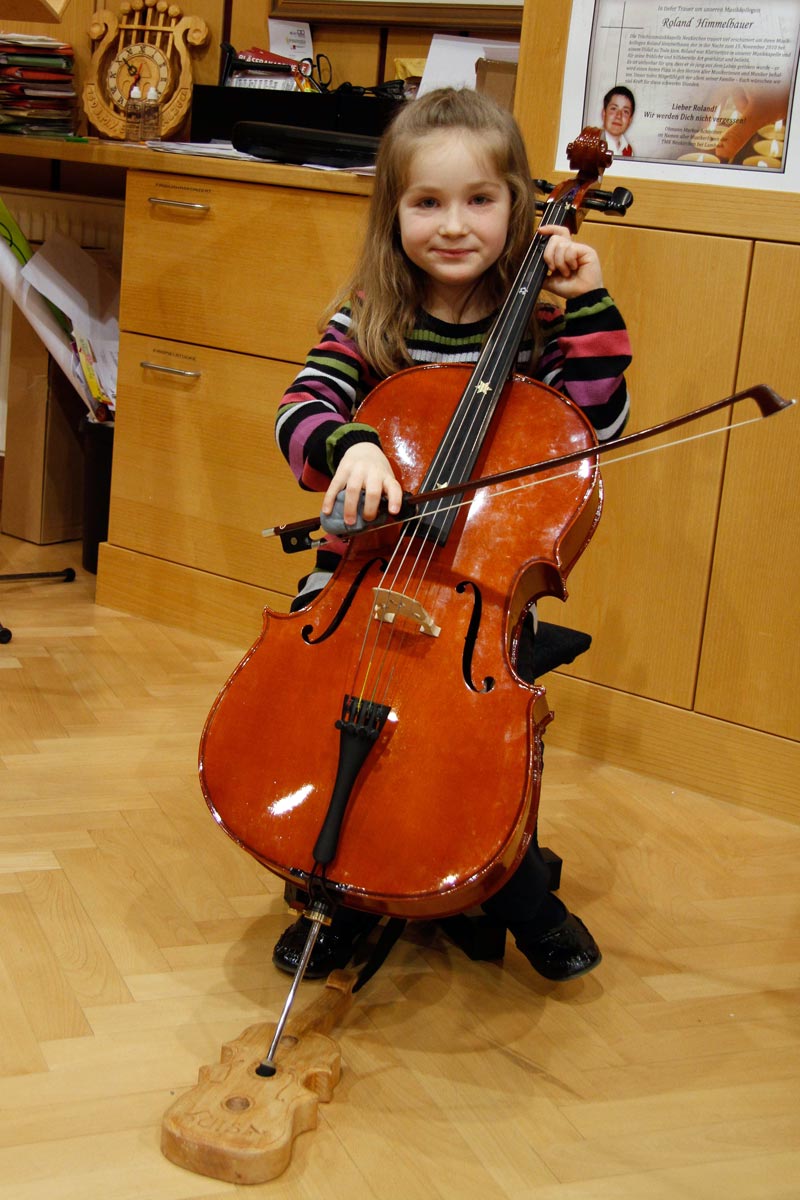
[
  {"x": 175, "y": 355},
  {"x": 190, "y": 188}
]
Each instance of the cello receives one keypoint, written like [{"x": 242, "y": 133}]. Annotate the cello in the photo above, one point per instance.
[
  {"x": 371, "y": 790},
  {"x": 339, "y": 786}
]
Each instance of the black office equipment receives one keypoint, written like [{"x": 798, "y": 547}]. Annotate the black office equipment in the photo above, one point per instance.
[
  {"x": 216, "y": 110},
  {"x": 322, "y": 147}
]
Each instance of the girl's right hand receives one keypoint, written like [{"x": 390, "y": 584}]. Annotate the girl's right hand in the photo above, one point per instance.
[{"x": 363, "y": 469}]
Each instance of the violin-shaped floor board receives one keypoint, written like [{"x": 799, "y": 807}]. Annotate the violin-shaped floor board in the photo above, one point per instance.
[{"x": 238, "y": 1126}]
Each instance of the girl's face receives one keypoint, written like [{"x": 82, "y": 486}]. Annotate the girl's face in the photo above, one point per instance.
[{"x": 453, "y": 218}]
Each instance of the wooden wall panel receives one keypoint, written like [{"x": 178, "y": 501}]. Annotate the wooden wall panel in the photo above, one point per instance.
[
  {"x": 356, "y": 51},
  {"x": 641, "y": 587},
  {"x": 73, "y": 28},
  {"x": 750, "y": 669},
  {"x": 408, "y": 41},
  {"x": 660, "y": 204}
]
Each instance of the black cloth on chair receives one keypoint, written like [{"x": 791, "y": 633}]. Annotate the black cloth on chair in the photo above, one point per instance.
[{"x": 550, "y": 647}]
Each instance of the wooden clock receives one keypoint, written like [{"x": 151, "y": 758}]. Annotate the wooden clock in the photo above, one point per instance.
[{"x": 147, "y": 44}]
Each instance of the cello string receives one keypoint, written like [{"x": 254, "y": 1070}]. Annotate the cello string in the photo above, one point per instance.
[
  {"x": 458, "y": 440},
  {"x": 524, "y": 485},
  {"x": 461, "y": 441},
  {"x": 482, "y": 413},
  {"x": 367, "y": 661},
  {"x": 478, "y": 415},
  {"x": 492, "y": 353}
]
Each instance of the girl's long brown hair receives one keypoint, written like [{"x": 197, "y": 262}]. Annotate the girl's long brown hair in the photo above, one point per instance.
[{"x": 386, "y": 289}]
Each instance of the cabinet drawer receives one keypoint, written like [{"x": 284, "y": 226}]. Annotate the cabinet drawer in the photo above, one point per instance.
[
  {"x": 235, "y": 266},
  {"x": 197, "y": 475}
]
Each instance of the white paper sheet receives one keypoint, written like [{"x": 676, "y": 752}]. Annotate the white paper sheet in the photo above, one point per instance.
[
  {"x": 451, "y": 60},
  {"x": 290, "y": 38},
  {"x": 37, "y": 312},
  {"x": 86, "y": 293}
]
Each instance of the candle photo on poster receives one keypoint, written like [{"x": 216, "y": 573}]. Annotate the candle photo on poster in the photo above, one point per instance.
[{"x": 696, "y": 84}]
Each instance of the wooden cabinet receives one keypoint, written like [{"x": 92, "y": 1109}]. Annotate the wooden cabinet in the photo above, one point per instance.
[
  {"x": 197, "y": 474},
  {"x": 750, "y": 665},
  {"x": 689, "y": 586},
  {"x": 223, "y": 287},
  {"x": 640, "y": 589}
]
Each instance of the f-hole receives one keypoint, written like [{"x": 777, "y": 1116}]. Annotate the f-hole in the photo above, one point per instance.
[
  {"x": 471, "y": 638},
  {"x": 341, "y": 612}
]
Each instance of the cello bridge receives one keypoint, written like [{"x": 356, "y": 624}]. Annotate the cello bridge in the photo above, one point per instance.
[{"x": 389, "y": 604}]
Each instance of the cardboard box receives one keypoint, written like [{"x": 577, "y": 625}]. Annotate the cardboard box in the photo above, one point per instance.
[
  {"x": 497, "y": 79},
  {"x": 43, "y": 471}
]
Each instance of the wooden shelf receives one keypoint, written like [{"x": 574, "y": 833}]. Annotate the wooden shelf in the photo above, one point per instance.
[{"x": 127, "y": 156}]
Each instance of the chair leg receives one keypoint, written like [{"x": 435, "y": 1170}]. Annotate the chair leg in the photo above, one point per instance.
[{"x": 67, "y": 575}]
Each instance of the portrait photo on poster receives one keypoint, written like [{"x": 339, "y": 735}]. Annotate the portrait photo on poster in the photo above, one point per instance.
[{"x": 704, "y": 93}]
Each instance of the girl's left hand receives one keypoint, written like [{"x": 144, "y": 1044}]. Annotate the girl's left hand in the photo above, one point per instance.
[{"x": 574, "y": 267}]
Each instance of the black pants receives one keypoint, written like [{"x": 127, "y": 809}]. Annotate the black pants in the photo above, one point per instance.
[
  {"x": 525, "y": 903},
  {"x": 525, "y": 899}
]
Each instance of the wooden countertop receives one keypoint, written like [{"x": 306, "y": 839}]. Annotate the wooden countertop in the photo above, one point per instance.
[{"x": 128, "y": 156}]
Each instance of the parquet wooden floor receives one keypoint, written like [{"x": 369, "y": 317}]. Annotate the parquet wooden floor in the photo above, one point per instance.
[{"x": 135, "y": 939}]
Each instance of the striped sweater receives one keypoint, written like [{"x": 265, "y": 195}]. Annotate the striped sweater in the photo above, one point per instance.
[{"x": 585, "y": 354}]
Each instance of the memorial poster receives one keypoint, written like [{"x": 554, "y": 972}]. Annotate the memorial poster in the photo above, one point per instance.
[{"x": 702, "y": 92}]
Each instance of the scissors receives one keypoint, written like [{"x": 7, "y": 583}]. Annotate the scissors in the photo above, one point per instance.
[{"x": 318, "y": 70}]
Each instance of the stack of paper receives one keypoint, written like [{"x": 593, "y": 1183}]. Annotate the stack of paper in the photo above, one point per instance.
[
  {"x": 72, "y": 301},
  {"x": 37, "y": 92},
  {"x": 87, "y": 293}
]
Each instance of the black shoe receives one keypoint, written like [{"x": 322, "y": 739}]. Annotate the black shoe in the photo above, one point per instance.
[
  {"x": 565, "y": 952},
  {"x": 335, "y": 945}
]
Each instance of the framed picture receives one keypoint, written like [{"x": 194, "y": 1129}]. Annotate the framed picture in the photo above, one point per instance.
[
  {"x": 438, "y": 14},
  {"x": 588, "y": 47},
  {"x": 689, "y": 91}
]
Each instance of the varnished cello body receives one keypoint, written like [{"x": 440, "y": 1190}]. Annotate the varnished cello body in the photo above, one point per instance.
[{"x": 444, "y": 806}]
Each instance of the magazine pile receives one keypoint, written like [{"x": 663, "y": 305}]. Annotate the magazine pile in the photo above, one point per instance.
[{"x": 37, "y": 85}]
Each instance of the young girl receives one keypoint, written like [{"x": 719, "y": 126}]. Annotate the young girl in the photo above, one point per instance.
[{"x": 451, "y": 217}]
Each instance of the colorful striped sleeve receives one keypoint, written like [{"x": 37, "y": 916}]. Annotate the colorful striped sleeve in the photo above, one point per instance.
[
  {"x": 585, "y": 355},
  {"x": 312, "y": 415}
]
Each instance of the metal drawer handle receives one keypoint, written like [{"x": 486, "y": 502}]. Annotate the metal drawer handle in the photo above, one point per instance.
[
  {"x": 179, "y": 203},
  {"x": 170, "y": 370}
]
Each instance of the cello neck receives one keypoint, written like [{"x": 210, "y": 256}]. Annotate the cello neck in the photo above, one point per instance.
[
  {"x": 457, "y": 454},
  {"x": 465, "y": 434}
]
